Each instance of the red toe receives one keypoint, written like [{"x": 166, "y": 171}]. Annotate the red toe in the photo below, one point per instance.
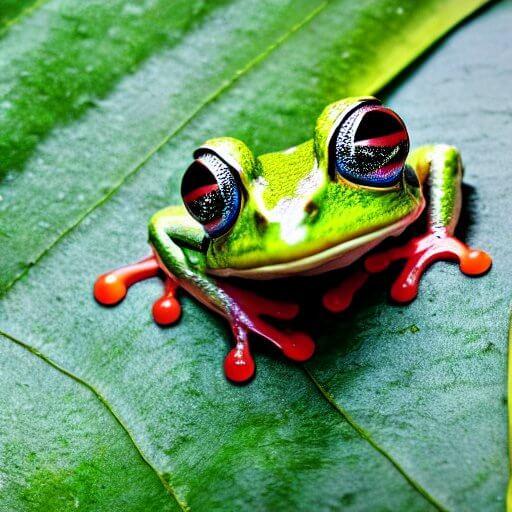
[{"x": 420, "y": 253}]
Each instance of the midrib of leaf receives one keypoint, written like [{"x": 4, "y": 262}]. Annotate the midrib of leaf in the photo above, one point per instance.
[
  {"x": 134, "y": 170},
  {"x": 167, "y": 486},
  {"x": 369, "y": 439},
  {"x": 22, "y": 14}
]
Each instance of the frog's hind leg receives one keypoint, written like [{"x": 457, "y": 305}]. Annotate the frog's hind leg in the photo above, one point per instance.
[
  {"x": 441, "y": 166},
  {"x": 112, "y": 287},
  {"x": 246, "y": 316}
]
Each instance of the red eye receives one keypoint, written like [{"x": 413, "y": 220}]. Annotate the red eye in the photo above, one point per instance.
[
  {"x": 371, "y": 146},
  {"x": 212, "y": 194}
]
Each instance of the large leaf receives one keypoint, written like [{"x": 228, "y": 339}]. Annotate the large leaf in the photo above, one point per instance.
[
  {"x": 90, "y": 91},
  {"x": 94, "y": 137}
]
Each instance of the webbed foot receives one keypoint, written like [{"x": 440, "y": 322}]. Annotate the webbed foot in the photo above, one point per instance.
[
  {"x": 297, "y": 346},
  {"x": 420, "y": 253}
]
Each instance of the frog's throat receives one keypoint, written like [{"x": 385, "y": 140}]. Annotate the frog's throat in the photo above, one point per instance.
[{"x": 335, "y": 257}]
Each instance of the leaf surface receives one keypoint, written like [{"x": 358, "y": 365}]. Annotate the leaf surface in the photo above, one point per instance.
[
  {"x": 371, "y": 424},
  {"x": 59, "y": 449},
  {"x": 434, "y": 372},
  {"x": 11, "y": 9}
]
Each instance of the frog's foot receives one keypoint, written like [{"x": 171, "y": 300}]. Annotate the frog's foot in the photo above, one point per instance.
[
  {"x": 167, "y": 310},
  {"x": 340, "y": 297},
  {"x": 420, "y": 253},
  {"x": 112, "y": 287},
  {"x": 239, "y": 364},
  {"x": 244, "y": 315}
]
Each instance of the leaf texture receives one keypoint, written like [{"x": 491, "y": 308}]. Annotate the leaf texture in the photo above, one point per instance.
[{"x": 383, "y": 418}]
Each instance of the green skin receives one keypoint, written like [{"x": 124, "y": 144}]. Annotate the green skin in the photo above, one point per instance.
[{"x": 296, "y": 218}]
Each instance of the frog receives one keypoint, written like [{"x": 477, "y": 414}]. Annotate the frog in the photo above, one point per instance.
[{"x": 319, "y": 206}]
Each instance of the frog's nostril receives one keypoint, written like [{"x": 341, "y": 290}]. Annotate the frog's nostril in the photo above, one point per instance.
[{"x": 311, "y": 209}]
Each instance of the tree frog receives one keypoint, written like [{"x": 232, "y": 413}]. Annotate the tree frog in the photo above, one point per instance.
[{"x": 307, "y": 210}]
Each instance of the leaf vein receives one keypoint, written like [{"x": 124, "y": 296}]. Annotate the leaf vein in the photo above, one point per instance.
[
  {"x": 22, "y": 14},
  {"x": 167, "y": 486},
  {"x": 369, "y": 439}
]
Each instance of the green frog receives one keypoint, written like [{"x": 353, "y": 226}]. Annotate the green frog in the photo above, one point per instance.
[{"x": 307, "y": 210}]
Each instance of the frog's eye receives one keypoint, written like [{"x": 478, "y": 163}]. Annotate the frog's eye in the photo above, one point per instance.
[
  {"x": 370, "y": 146},
  {"x": 212, "y": 193}
]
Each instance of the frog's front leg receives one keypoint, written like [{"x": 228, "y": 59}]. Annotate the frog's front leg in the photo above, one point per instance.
[
  {"x": 179, "y": 245},
  {"x": 179, "y": 251},
  {"x": 440, "y": 166}
]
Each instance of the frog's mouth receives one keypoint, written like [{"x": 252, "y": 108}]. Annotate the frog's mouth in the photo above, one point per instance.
[{"x": 335, "y": 257}]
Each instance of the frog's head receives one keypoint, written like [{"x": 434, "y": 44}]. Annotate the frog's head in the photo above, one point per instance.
[{"x": 310, "y": 208}]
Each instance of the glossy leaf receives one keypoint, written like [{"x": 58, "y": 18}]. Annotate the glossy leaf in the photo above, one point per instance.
[
  {"x": 59, "y": 447},
  {"x": 94, "y": 139}
]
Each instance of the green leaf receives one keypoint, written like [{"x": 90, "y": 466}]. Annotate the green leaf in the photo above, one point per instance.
[
  {"x": 93, "y": 139},
  {"x": 129, "y": 79},
  {"x": 60, "y": 451},
  {"x": 10, "y": 10}
]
